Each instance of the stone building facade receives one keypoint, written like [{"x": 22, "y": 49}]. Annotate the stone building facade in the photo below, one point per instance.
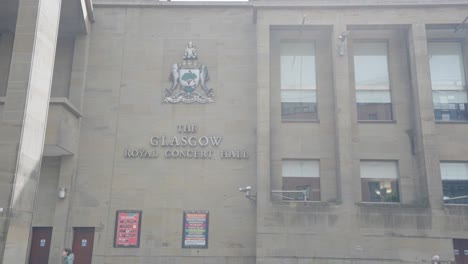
[{"x": 268, "y": 131}]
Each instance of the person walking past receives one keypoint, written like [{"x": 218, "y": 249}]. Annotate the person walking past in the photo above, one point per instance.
[{"x": 68, "y": 256}]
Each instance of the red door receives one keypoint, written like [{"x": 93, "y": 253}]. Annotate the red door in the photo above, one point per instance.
[
  {"x": 460, "y": 249},
  {"x": 40, "y": 245},
  {"x": 83, "y": 240}
]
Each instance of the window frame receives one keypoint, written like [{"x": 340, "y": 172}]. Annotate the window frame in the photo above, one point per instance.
[
  {"x": 462, "y": 43},
  {"x": 387, "y": 42},
  {"x": 309, "y": 40},
  {"x": 442, "y": 181},
  {"x": 311, "y": 191},
  {"x": 397, "y": 180}
]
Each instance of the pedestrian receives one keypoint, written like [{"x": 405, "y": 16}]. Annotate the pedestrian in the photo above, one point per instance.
[
  {"x": 68, "y": 256},
  {"x": 436, "y": 259}
]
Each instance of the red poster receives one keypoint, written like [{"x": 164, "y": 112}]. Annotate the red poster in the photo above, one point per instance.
[{"x": 127, "y": 228}]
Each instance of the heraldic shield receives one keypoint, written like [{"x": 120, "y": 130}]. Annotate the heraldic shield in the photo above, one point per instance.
[{"x": 189, "y": 80}]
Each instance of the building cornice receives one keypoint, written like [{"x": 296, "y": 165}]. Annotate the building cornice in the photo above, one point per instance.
[
  {"x": 260, "y": 4},
  {"x": 355, "y": 3},
  {"x": 156, "y": 3}
]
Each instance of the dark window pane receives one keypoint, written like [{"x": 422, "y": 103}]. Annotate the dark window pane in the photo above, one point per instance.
[
  {"x": 293, "y": 185},
  {"x": 374, "y": 190},
  {"x": 299, "y": 111},
  {"x": 451, "y": 112},
  {"x": 374, "y": 111},
  {"x": 455, "y": 191}
]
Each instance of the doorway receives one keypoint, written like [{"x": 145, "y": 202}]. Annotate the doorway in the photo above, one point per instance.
[
  {"x": 40, "y": 245},
  {"x": 460, "y": 250},
  {"x": 83, "y": 241}
]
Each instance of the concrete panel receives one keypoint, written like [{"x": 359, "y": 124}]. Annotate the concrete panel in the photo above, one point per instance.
[
  {"x": 47, "y": 192},
  {"x": 62, "y": 127},
  {"x": 63, "y": 67}
]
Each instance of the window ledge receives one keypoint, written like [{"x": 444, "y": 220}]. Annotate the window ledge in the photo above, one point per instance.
[
  {"x": 300, "y": 121},
  {"x": 380, "y": 204},
  {"x": 303, "y": 203},
  {"x": 456, "y": 209},
  {"x": 451, "y": 122},
  {"x": 376, "y": 121},
  {"x": 456, "y": 205}
]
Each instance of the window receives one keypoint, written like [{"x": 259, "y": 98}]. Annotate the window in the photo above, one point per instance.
[
  {"x": 298, "y": 84},
  {"x": 448, "y": 81},
  {"x": 301, "y": 180},
  {"x": 372, "y": 81},
  {"x": 455, "y": 182},
  {"x": 379, "y": 181}
]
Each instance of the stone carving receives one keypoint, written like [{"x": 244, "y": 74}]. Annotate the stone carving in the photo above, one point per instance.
[
  {"x": 186, "y": 79},
  {"x": 190, "y": 52}
]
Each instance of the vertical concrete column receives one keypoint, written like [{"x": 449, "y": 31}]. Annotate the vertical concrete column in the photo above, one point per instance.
[
  {"x": 61, "y": 233},
  {"x": 24, "y": 119},
  {"x": 348, "y": 181},
  {"x": 424, "y": 125},
  {"x": 263, "y": 131},
  {"x": 263, "y": 118}
]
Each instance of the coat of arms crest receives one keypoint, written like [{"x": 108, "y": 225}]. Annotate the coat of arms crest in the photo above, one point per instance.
[{"x": 186, "y": 79}]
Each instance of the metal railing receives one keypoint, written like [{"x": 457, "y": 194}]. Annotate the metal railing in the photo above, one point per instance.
[{"x": 279, "y": 193}]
